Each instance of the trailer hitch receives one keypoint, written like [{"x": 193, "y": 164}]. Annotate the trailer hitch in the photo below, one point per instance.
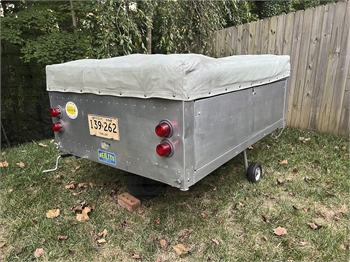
[{"x": 58, "y": 158}]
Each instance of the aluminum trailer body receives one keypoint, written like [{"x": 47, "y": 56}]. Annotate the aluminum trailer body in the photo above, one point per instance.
[{"x": 118, "y": 130}]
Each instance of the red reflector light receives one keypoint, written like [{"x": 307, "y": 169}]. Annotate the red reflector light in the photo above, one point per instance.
[
  {"x": 164, "y": 129},
  {"x": 55, "y": 112},
  {"x": 165, "y": 149},
  {"x": 57, "y": 127}
]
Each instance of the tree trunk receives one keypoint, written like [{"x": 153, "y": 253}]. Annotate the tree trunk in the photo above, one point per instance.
[{"x": 73, "y": 16}]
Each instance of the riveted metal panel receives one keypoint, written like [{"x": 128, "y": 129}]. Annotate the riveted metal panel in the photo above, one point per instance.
[
  {"x": 225, "y": 125},
  {"x": 135, "y": 151}
]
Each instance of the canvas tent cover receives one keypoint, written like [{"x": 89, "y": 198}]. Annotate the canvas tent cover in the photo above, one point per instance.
[{"x": 176, "y": 76}]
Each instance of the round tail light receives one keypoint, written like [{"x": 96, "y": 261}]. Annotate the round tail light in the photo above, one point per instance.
[
  {"x": 164, "y": 129},
  {"x": 56, "y": 112},
  {"x": 165, "y": 149},
  {"x": 57, "y": 127}
]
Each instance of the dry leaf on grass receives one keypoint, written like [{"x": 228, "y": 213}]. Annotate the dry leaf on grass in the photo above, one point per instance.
[
  {"x": 39, "y": 252},
  {"x": 283, "y": 162},
  {"x": 157, "y": 220},
  {"x": 265, "y": 218},
  {"x": 2, "y": 244},
  {"x": 250, "y": 148},
  {"x": 163, "y": 243},
  {"x": 84, "y": 215},
  {"x": 215, "y": 241},
  {"x": 4, "y": 164},
  {"x": 101, "y": 241},
  {"x": 53, "y": 213},
  {"x": 303, "y": 243},
  {"x": 20, "y": 164},
  {"x": 62, "y": 237},
  {"x": 314, "y": 226},
  {"x": 42, "y": 145},
  {"x": 204, "y": 215},
  {"x": 180, "y": 249},
  {"x": 280, "y": 231},
  {"x": 136, "y": 256},
  {"x": 159, "y": 259},
  {"x": 71, "y": 185},
  {"x": 342, "y": 246},
  {"x": 184, "y": 233},
  {"x": 82, "y": 185}
]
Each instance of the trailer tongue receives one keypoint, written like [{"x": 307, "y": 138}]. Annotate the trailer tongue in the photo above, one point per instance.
[{"x": 167, "y": 119}]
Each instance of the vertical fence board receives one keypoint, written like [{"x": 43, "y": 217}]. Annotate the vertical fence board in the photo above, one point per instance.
[
  {"x": 344, "y": 123},
  {"x": 288, "y": 34},
  {"x": 322, "y": 65},
  {"x": 252, "y": 35},
  {"x": 234, "y": 37},
  {"x": 280, "y": 34},
  {"x": 245, "y": 39},
  {"x": 271, "y": 43},
  {"x": 311, "y": 65},
  {"x": 298, "y": 27},
  {"x": 342, "y": 70},
  {"x": 264, "y": 44},
  {"x": 333, "y": 59},
  {"x": 302, "y": 67},
  {"x": 239, "y": 40},
  {"x": 259, "y": 28}
]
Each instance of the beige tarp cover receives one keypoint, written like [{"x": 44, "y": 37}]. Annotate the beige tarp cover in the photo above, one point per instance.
[{"x": 176, "y": 76}]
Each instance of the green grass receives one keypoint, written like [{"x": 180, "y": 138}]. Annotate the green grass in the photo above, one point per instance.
[{"x": 241, "y": 216}]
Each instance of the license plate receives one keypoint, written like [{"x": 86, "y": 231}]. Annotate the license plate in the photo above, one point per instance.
[{"x": 106, "y": 127}]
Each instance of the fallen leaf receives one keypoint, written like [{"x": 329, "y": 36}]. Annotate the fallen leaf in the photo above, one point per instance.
[
  {"x": 86, "y": 210},
  {"x": 280, "y": 231},
  {"x": 343, "y": 148},
  {"x": 62, "y": 237},
  {"x": 82, "y": 185},
  {"x": 342, "y": 246},
  {"x": 104, "y": 233},
  {"x": 180, "y": 249},
  {"x": 77, "y": 208},
  {"x": 101, "y": 241},
  {"x": 250, "y": 148},
  {"x": 215, "y": 241},
  {"x": 82, "y": 217},
  {"x": 20, "y": 164},
  {"x": 159, "y": 259},
  {"x": 43, "y": 240},
  {"x": 53, "y": 213},
  {"x": 302, "y": 243},
  {"x": 283, "y": 162},
  {"x": 2, "y": 244},
  {"x": 295, "y": 170},
  {"x": 60, "y": 176},
  {"x": 4, "y": 164},
  {"x": 76, "y": 168},
  {"x": 314, "y": 226},
  {"x": 264, "y": 238},
  {"x": 163, "y": 243},
  {"x": 204, "y": 215},
  {"x": 136, "y": 256},
  {"x": 71, "y": 185},
  {"x": 92, "y": 184},
  {"x": 19, "y": 250},
  {"x": 157, "y": 220},
  {"x": 42, "y": 145},
  {"x": 39, "y": 252}
]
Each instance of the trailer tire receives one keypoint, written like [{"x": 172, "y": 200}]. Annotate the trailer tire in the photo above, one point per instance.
[
  {"x": 144, "y": 188},
  {"x": 254, "y": 172}
]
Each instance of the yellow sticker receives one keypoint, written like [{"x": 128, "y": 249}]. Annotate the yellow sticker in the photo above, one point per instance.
[{"x": 71, "y": 110}]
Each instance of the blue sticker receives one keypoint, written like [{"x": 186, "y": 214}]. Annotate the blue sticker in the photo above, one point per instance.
[{"x": 107, "y": 157}]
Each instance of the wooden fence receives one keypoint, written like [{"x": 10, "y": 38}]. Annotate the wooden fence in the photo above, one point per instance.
[{"x": 318, "y": 42}]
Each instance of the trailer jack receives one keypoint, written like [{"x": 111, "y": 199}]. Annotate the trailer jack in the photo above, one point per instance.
[{"x": 58, "y": 158}]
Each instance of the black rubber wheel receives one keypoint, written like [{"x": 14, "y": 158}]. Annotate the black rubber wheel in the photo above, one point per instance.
[
  {"x": 144, "y": 188},
  {"x": 254, "y": 172}
]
